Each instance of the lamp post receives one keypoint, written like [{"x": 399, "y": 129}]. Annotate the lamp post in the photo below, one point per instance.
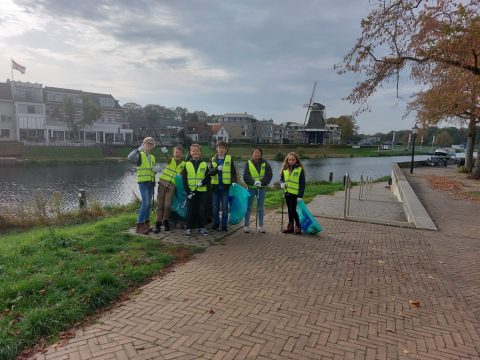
[{"x": 414, "y": 132}]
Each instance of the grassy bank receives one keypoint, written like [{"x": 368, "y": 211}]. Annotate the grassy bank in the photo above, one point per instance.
[
  {"x": 52, "y": 279},
  {"x": 45, "y": 155}
]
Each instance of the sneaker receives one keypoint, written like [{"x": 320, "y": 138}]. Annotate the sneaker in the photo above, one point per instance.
[
  {"x": 203, "y": 232},
  {"x": 188, "y": 232},
  {"x": 261, "y": 229},
  {"x": 246, "y": 229},
  {"x": 214, "y": 227},
  {"x": 224, "y": 228}
]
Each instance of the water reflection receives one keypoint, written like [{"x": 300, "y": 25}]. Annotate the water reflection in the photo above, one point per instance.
[{"x": 116, "y": 183}]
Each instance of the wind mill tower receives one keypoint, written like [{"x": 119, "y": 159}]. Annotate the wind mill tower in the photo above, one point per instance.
[{"x": 315, "y": 127}]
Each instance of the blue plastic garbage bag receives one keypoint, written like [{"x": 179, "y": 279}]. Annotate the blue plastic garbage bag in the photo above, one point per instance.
[
  {"x": 179, "y": 198},
  {"x": 238, "y": 200},
  {"x": 308, "y": 223}
]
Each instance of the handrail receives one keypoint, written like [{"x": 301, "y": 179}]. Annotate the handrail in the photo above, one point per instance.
[{"x": 348, "y": 187}]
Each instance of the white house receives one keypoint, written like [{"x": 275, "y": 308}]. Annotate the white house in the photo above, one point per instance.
[
  {"x": 219, "y": 133},
  {"x": 7, "y": 121}
]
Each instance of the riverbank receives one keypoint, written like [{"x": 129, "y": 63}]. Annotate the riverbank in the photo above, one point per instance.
[{"x": 16, "y": 154}]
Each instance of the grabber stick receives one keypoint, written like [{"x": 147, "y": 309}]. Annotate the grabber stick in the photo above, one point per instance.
[{"x": 283, "y": 204}]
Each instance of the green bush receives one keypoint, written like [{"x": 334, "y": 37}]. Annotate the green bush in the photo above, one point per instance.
[{"x": 279, "y": 156}]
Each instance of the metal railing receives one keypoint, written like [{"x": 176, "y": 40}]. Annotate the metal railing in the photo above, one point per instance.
[
  {"x": 366, "y": 185},
  {"x": 348, "y": 188}
]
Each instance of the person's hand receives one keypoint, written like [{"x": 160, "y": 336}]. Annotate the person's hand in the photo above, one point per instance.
[
  {"x": 220, "y": 167},
  {"x": 141, "y": 148},
  {"x": 257, "y": 183},
  {"x": 300, "y": 199},
  {"x": 282, "y": 185},
  {"x": 233, "y": 184},
  {"x": 190, "y": 195},
  {"x": 164, "y": 150},
  {"x": 199, "y": 184}
]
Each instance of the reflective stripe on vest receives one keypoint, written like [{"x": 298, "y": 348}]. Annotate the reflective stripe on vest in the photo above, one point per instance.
[
  {"x": 171, "y": 170},
  {"x": 292, "y": 180},
  {"x": 226, "y": 171},
  {"x": 145, "y": 171},
  {"x": 254, "y": 173},
  {"x": 195, "y": 177}
]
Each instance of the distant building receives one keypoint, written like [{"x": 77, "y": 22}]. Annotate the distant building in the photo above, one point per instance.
[
  {"x": 294, "y": 133},
  {"x": 333, "y": 134},
  {"x": 110, "y": 127},
  {"x": 29, "y": 111},
  {"x": 315, "y": 129},
  {"x": 199, "y": 131},
  {"x": 39, "y": 115},
  {"x": 7, "y": 124},
  {"x": 247, "y": 123},
  {"x": 219, "y": 133}
]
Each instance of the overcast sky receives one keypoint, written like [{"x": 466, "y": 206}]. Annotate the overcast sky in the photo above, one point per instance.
[{"x": 260, "y": 57}]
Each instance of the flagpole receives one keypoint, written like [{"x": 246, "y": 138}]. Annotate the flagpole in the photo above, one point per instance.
[{"x": 11, "y": 67}]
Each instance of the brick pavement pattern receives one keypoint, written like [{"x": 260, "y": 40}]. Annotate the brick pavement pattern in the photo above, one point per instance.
[{"x": 350, "y": 293}]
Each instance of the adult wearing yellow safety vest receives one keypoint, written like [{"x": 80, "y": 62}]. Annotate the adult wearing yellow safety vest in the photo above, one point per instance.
[
  {"x": 166, "y": 187},
  {"x": 195, "y": 178},
  {"x": 292, "y": 181},
  {"x": 224, "y": 175},
  {"x": 257, "y": 175},
  {"x": 146, "y": 181}
]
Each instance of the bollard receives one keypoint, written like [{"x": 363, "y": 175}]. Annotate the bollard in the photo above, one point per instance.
[
  {"x": 82, "y": 198},
  {"x": 330, "y": 177},
  {"x": 344, "y": 180}
]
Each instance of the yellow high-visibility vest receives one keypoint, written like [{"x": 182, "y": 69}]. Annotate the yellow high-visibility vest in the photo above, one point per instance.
[
  {"x": 145, "y": 171},
  {"x": 254, "y": 173},
  {"x": 226, "y": 171},
  {"x": 292, "y": 180},
  {"x": 171, "y": 170},
  {"x": 195, "y": 177}
]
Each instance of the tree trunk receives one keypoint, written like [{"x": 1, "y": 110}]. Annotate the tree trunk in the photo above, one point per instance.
[
  {"x": 476, "y": 171},
  {"x": 472, "y": 131}
]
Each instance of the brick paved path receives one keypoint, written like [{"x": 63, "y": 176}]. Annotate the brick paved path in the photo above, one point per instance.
[
  {"x": 457, "y": 243},
  {"x": 342, "y": 295}
]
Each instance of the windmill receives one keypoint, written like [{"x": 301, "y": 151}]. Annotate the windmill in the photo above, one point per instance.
[{"x": 315, "y": 127}]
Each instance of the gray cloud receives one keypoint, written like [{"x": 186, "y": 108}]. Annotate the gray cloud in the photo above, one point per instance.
[{"x": 256, "y": 56}]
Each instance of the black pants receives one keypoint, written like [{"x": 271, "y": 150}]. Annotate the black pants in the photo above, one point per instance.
[
  {"x": 196, "y": 214},
  {"x": 291, "y": 201}
]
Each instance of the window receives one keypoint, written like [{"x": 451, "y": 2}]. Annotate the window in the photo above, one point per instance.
[
  {"x": 4, "y": 118},
  {"x": 5, "y": 133},
  {"x": 106, "y": 102}
]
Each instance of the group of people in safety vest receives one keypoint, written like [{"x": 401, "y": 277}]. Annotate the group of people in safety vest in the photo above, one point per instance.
[{"x": 219, "y": 174}]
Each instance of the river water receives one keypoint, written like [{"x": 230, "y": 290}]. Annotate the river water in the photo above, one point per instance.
[{"x": 116, "y": 183}]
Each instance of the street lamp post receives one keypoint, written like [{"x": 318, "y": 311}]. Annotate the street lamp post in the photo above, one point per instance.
[{"x": 414, "y": 132}]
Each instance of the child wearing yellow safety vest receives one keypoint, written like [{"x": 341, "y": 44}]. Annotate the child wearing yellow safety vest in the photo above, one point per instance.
[
  {"x": 146, "y": 181},
  {"x": 224, "y": 175},
  {"x": 292, "y": 181},
  {"x": 257, "y": 175},
  {"x": 166, "y": 187},
  {"x": 195, "y": 177}
]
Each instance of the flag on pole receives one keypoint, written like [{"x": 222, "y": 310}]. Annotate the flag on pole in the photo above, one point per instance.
[{"x": 17, "y": 66}]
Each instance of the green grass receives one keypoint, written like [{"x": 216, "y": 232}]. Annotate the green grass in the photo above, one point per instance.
[{"x": 52, "y": 279}]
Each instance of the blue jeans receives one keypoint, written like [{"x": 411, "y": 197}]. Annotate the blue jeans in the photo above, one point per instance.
[
  {"x": 146, "y": 192},
  {"x": 220, "y": 196},
  {"x": 260, "y": 204}
]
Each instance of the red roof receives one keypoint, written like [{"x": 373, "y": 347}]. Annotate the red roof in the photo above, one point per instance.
[{"x": 216, "y": 128}]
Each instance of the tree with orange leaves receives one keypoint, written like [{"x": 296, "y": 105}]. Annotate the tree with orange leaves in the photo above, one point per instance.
[{"x": 439, "y": 39}]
